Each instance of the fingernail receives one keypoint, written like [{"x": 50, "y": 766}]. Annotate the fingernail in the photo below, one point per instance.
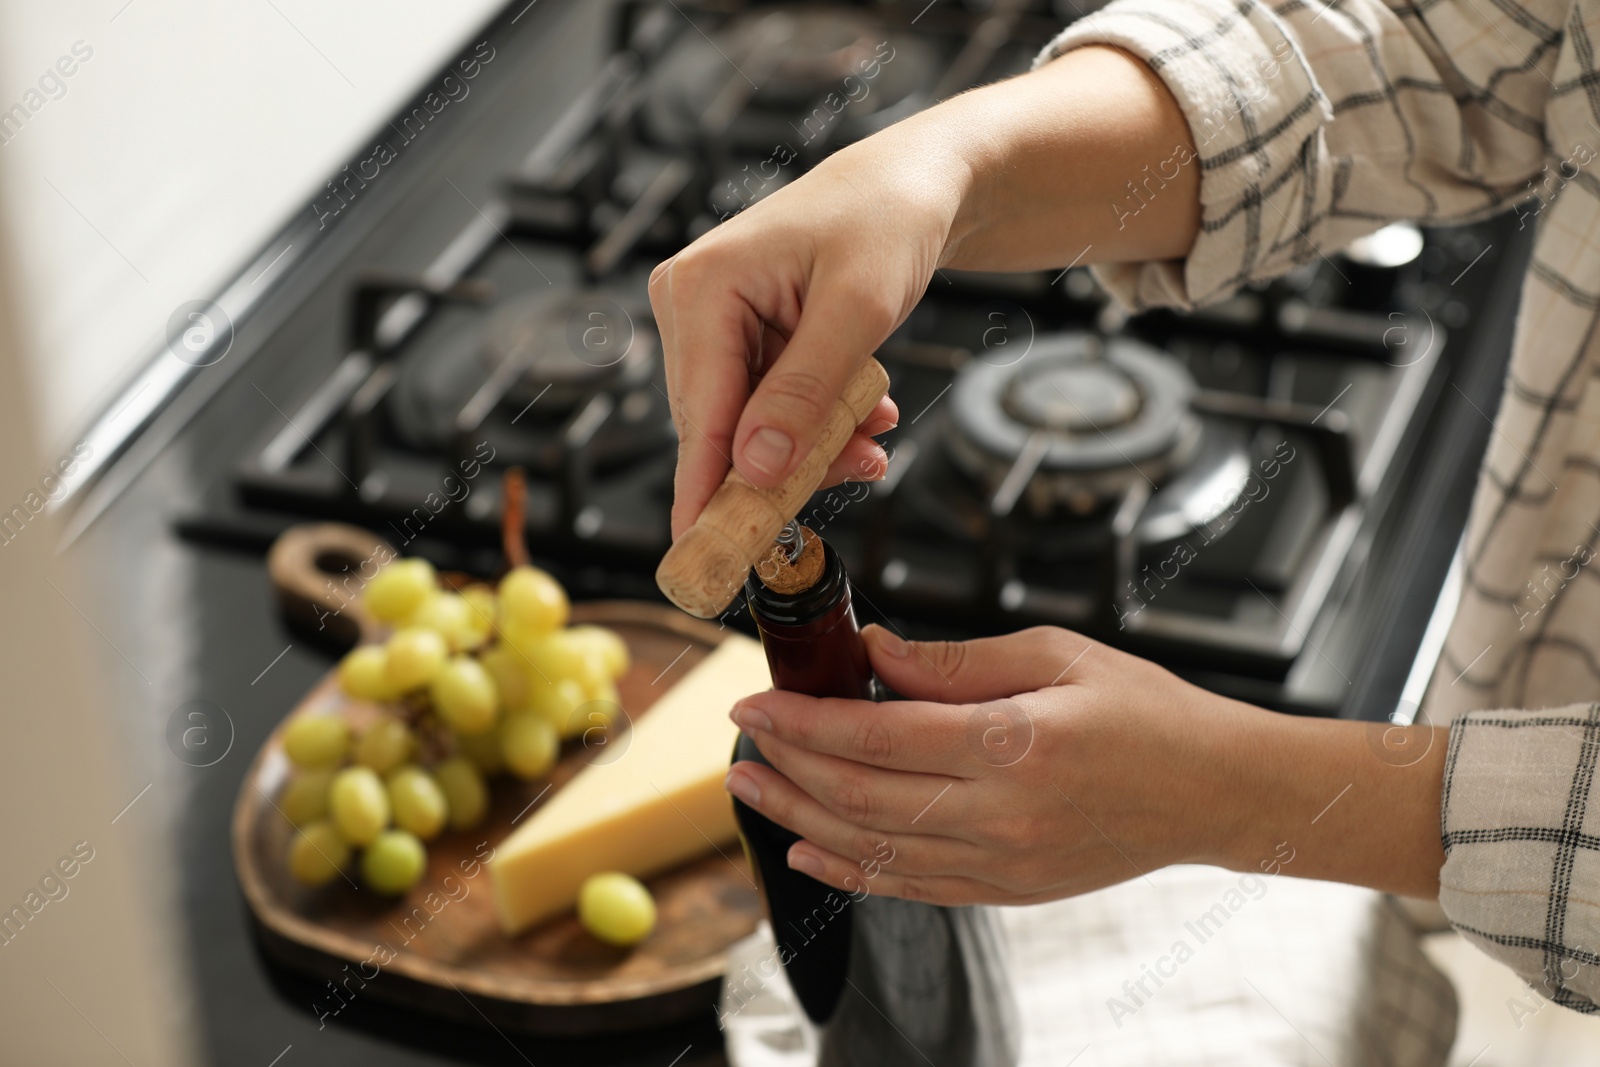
[
  {"x": 877, "y": 426},
  {"x": 749, "y": 718},
  {"x": 892, "y": 643},
  {"x": 768, "y": 450},
  {"x": 874, "y": 467},
  {"x": 743, "y": 787},
  {"x": 805, "y": 862}
]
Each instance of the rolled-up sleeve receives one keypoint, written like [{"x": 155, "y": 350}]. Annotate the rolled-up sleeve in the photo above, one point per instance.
[
  {"x": 1521, "y": 815},
  {"x": 1317, "y": 123}
]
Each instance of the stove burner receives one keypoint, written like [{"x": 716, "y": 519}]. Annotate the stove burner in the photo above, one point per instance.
[
  {"x": 788, "y": 76},
  {"x": 564, "y": 346},
  {"x": 536, "y": 360},
  {"x": 1073, "y": 398},
  {"x": 1089, "y": 417}
]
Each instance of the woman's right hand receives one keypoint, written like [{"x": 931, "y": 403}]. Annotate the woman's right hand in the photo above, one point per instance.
[{"x": 764, "y": 319}]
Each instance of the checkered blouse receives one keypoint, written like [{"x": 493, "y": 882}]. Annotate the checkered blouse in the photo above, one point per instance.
[{"x": 1317, "y": 123}]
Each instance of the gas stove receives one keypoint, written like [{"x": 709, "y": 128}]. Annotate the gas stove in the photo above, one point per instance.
[{"x": 1207, "y": 489}]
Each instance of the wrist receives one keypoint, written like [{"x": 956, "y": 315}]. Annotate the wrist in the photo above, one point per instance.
[
  {"x": 913, "y": 174},
  {"x": 1333, "y": 800},
  {"x": 1231, "y": 782},
  {"x": 1253, "y": 749}
]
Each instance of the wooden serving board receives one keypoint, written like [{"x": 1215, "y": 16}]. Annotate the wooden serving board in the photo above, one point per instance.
[{"x": 445, "y": 942}]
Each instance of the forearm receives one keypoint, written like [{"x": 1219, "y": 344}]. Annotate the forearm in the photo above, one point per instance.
[
  {"x": 1357, "y": 802},
  {"x": 1087, "y": 159}
]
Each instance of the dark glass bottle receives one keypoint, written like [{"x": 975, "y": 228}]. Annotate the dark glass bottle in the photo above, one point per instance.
[{"x": 813, "y": 646}]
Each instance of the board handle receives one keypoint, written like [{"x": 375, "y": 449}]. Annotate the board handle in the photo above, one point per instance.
[
  {"x": 317, "y": 572},
  {"x": 705, "y": 568}
]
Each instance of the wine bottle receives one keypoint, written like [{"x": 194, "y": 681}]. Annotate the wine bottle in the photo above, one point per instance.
[{"x": 799, "y": 596}]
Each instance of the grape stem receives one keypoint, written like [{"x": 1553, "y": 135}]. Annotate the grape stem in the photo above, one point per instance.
[{"x": 513, "y": 524}]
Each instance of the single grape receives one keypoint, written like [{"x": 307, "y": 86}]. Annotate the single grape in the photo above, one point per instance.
[
  {"x": 593, "y": 723},
  {"x": 394, "y": 862},
  {"x": 359, "y": 804},
  {"x": 464, "y": 792},
  {"x": 449, "y": 616},
  {"x": 594, "y": 675},
  {"x": 612, "y": 649},
  {"x": 509, "y": 671},
  {"x": 484, "y": 749},
  {"x": 533, "y": 601},
  {"x": 418, "y": 802},
  {"x": 305, "y": 798},
  {"x": 317, "y": 854},
  {"x": 531, "y": 744},
  {"x": 385, "y": 745},
  {"x": 364, "y": 674},
  {"x": 482, "y": 606},
  {"x": 399, "y": 589},
  {"x": 415, "y": 656},
  {"x": 550, "y": 657},
  {"x": 463, "y": 693},
  {"x": 429, "y": 615},
  {"x": 556, "y": 703},
  {"x": 616, "y": 908},
  {"x": 527, "y": 651},
  {"x": 316, "y": 740},
  {"x": 605, "y": 700},
  {"x": 414, "y": 618}
]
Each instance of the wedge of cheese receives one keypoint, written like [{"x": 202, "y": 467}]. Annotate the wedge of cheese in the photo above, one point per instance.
[{"x": 657, "y": 805}]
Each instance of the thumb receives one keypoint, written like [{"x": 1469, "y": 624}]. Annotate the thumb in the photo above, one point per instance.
[
  {"x": 779, "y": 427},
  {"x": 969, "y": 672}
]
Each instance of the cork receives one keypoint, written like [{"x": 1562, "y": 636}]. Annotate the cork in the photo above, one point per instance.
[
  {"x": 705, "y": 568},
  {"x": 779, "y": 575}
]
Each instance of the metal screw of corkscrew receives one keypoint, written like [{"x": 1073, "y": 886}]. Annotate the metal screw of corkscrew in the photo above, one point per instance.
[{"x": 792, "y": 540}]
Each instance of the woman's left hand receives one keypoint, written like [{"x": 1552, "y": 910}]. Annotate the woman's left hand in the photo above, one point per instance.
[{"x": 1021, "y": 768}]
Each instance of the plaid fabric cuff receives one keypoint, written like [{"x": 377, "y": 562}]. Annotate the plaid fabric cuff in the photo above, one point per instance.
[
  {"x": 1252, "y": 104},
  {"x": 1521, "y": 825}
]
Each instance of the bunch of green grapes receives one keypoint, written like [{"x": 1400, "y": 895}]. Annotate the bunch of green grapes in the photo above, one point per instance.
[{"x": 473, "y": 684}]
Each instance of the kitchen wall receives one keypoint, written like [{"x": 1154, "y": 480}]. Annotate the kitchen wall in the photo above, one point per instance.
[{"x": 150, "y": 145}]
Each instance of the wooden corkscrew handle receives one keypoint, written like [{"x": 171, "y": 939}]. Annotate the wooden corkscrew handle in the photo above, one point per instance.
[{"x": 705, "y": 568}]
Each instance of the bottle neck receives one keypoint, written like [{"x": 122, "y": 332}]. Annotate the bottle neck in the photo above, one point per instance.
[
  {"x": 811, "y": 638},
  {"x": 806, "y": 607}
]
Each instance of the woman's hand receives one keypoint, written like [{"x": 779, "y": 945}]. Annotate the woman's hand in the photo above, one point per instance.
[
  {"x": 1042, "y": 765},
  {"x": 765, "y": 318},
  {"x": 1025, "y": 768}
]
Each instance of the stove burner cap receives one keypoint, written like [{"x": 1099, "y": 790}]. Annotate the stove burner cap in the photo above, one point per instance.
[
  {"x": 572, "y": 342},
  {"x": 1073, "y": 397},
  {"x": 1093, "y": 415}
]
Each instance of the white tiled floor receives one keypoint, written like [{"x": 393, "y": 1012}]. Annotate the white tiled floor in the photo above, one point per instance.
[{"x": 1496, "y": 1028}]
